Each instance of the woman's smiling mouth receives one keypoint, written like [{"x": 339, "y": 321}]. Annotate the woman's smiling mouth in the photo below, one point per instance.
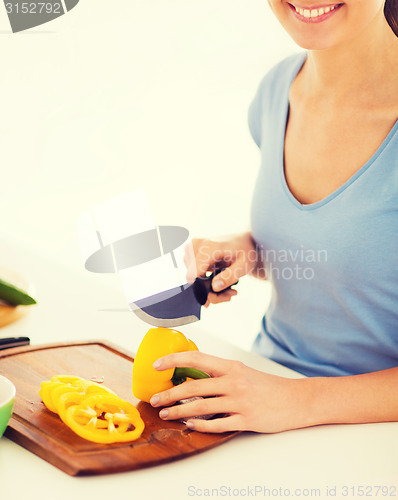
[{"x": 314, "y": 15}]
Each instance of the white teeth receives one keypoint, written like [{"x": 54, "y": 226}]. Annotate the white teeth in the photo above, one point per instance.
[{"x": 314, "y": 12}]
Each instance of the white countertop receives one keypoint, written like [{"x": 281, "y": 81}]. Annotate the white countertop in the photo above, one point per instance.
[{"x": 291, "y": 463}]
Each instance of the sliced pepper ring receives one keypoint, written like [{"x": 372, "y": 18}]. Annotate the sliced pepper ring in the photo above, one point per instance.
[
  {"x": 65, "y": 379},
  {"x": 103, "y": 418},
  {"x": 83, "y": 387},
  {"x": 51, "y": 391},
  {"x": 45, "y": 393}
]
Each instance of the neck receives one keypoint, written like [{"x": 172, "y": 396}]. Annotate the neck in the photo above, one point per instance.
[{"x": 368, "y": 62}]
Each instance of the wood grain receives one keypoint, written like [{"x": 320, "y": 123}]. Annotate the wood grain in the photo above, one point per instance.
[{"x": 43, "y": 433}]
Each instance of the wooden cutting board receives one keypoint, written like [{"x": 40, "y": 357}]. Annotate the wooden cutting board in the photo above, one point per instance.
[{"x": 43, "y": 433}]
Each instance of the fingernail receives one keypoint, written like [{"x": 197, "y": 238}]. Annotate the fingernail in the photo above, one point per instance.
[
  {"x": 218, "y": 285},
  {"x": 163, "y": 413},
  {"x": 154, "y": 400},
  {"x": 190, "y": 424},
  {"x": 157, "y": 364}
]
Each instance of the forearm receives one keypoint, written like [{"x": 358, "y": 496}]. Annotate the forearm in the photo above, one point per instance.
[{"x": 371, "y": 397}]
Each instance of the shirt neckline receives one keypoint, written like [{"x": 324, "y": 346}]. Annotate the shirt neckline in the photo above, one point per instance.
[{"x": 345, "y": 185}]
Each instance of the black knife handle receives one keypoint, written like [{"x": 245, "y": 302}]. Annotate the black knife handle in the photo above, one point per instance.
[
  {"x": 202, "y": 287},
  {"x": 8, "y": 342}
]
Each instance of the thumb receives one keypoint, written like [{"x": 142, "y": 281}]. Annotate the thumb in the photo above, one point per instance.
[{"x": 229, "y": 276}]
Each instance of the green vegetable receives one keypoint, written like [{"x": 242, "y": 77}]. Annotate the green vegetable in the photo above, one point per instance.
[
  {"x": 181, "y": 374},
  {"x": 14, "y": 295}
]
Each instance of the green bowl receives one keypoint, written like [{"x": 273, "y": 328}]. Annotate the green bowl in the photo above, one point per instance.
[{"x": 7, "y": 396}]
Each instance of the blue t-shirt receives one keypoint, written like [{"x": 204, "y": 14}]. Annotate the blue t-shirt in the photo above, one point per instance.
[{"x": 333, "y": 264}]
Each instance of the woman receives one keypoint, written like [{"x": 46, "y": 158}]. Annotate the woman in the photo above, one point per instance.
[{"x": 325, "y": 223}]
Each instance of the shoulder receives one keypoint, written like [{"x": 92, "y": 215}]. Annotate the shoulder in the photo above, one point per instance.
[
  {"x": 273, "y": 84},
  {"x": 282, "y": 73}
]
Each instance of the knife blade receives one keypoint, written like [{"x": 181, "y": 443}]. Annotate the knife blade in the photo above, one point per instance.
[
  {"x": 174, "y": 307},
  {"x": 177, "y": 306}
]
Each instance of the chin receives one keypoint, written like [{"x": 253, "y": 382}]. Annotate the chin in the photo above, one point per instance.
[
  {"x": 313, "y": 43},
  {"x": 314, "y": 28},
  {"x": 312, "y": 37}
]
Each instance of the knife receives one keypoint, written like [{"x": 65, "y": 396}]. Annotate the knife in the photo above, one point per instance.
[
  {"x": 177, "y": 306},
  {"x": 9, "y": 342}
]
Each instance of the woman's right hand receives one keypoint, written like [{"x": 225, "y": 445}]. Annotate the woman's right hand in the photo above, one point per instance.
[{"x": 238, "y": 255}]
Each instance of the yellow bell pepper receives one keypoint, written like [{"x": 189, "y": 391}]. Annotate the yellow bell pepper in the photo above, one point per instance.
[
  {"x": 104, "y": 418},
  {"x": 47, "y": 388},
  {"x": 46, "y": 394},
  {"x": 157, "y": 343},
  {"x": 92, "y": 411},
  {"x": 51, "y": 391}
]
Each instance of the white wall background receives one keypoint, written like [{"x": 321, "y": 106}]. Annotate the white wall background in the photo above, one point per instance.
[{"x": 122, "y": 94}]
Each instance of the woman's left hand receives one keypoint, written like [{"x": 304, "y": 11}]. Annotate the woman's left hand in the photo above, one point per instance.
[{"x": 253, "y": 400}]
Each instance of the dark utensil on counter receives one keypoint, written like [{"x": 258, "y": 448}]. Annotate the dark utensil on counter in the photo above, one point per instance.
[{"x": 8, "y": 342}]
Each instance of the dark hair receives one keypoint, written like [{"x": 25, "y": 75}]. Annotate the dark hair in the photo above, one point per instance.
[{"x": 391, "y": 13}]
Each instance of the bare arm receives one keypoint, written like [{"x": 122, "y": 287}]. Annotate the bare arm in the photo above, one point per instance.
[
  {"x": 260, "y": 402},
  {"x": 371, "y": 397}
]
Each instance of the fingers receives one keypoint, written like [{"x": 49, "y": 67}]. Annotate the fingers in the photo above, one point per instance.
[
  {"x": 199, "y": 407},
  {"x": 238, "y": 254},
  {"x": 201, "y": 256},
  {"x": 207, "y": 256},
  {"x": 215, "y": 395},
  {"x": 192, "y": 388},
  {"x": 212, "y": 365},
  {"x": 217, "y": 298},
  {"x": 230, "y": 275},
  {"x": 217, "y": 425}
]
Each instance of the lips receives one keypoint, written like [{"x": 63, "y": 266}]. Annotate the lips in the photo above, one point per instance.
[{"x": 314, "y": 15}]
